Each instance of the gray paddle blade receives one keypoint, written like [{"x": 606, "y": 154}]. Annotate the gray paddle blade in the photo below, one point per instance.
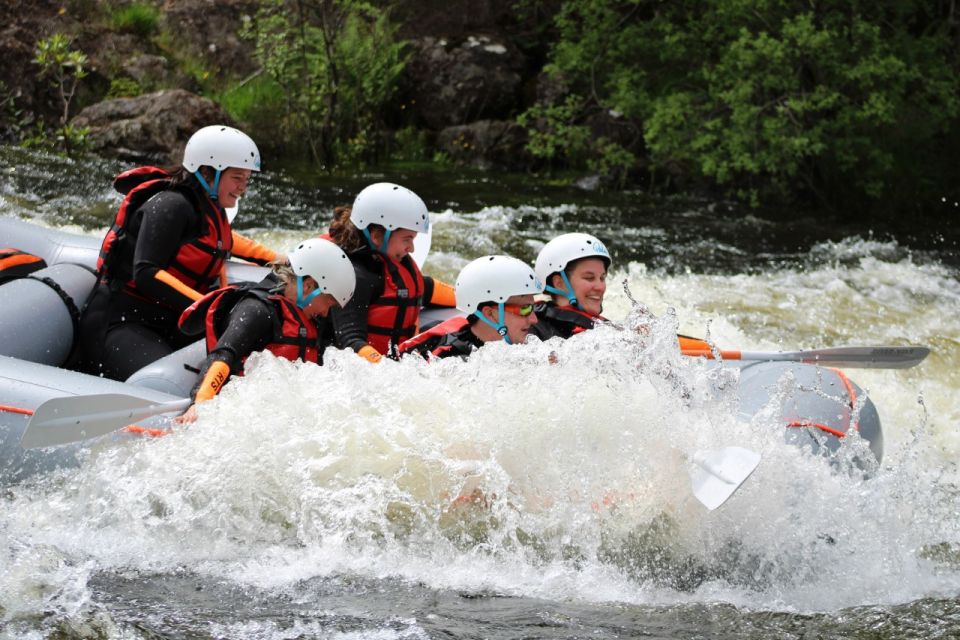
[
  {"x": 71, "y": 419},
  {"x": 868, "y": 357},
  {"x": 716, "y": 475}
]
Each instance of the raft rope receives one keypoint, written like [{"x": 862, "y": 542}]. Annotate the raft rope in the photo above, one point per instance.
[{"x": 851, "y": 394}]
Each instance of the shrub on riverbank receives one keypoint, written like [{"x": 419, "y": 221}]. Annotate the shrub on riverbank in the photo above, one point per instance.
[{"x": 843, "y": 106}]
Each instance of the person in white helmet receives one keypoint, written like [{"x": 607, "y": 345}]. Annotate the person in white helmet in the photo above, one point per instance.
[
  {"x": 497, "y": 294},
  {"x": 573, "y": 267},
  {"x": 280, "y": 314},
  {"x": 165, "y": 249},
  {"x": 378, "y": 232}
]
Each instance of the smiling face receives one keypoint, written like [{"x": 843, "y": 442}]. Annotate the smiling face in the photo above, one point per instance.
[
  {"x": 588, "y": 279},
  {"x": 399, "y": 245},
  {"x": 233, "y": 184}
]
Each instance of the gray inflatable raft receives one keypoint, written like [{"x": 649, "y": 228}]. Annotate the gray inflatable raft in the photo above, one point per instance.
[{"x": 818, "y": 406}]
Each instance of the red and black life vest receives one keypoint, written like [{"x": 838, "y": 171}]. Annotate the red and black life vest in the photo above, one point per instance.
[
  {"x": 394, "y": 316},
  {"x": 295, "y": 335},
  {"x": 16, "y": 264},
  {"x": 198, "y": 261},
  {"x": 445, "y": 339}
]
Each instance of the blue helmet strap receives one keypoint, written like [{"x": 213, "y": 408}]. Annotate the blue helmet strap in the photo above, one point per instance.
[
  {"x": 566, "y": 293},
  {"x": 301, "y": 301},
  {"x": 500, "y": 326},
  {"x": 211, "y": 191},
  {"x": 386, "y": 238}
]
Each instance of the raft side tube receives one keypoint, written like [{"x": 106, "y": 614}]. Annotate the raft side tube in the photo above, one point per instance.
[
  {"x": 41, "y": 313},
  {"x": 817, "y": 406}
]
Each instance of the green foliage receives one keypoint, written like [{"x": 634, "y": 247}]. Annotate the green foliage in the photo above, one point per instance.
[
  {"x": 64, "y": 67},
  {"x": 138, "y": 18},
  {"x": 410, "y": 144},
  {"x": 556, "y": 132},
  {"x": 841, "y": 102},
  {"x": 337, "y": 64},
  {"x": 123, "y": 87},
  {"x": 255, "y": 102}
]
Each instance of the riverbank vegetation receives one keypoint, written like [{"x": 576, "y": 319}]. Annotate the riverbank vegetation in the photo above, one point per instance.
[{"x": 847, "y": 108}]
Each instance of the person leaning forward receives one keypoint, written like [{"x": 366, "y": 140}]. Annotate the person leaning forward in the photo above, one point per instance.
[{"x": 278, "y": 314}]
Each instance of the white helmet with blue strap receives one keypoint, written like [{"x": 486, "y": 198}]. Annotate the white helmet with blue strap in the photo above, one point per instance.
[
  {"x": 390, "y": 206},
  {"x": 560, "y": 252},
  {"x": 494, "y": 279},
  {"x": 220, "y": 147},
  {"x": 328, "y": 265}
]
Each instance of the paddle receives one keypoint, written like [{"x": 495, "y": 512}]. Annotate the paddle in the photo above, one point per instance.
[
  {"x": 862, "y": 357},
  {"x": 74, "y": 418},
  {"x": 716, "y": 475}
]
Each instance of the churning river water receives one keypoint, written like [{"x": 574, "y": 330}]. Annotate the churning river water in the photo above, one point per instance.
[{"x": 321, "y": 502}]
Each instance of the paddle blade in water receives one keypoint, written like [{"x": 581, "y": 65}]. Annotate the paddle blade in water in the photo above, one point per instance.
[
  {"x": 716, "y": 475},
  {"x": 71, "y": 419}
]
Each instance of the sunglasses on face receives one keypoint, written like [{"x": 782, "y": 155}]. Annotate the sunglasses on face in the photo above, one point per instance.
[{"x": 522, "y": 310}]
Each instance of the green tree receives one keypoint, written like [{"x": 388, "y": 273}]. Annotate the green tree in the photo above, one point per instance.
[
  {"x": 337, "y": 63},
  {"x": 845, "y": 103},
  {"x": 64, "y": 67}
]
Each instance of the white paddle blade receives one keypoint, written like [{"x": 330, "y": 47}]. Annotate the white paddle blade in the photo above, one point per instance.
[
  {"x": 716, "y": 475},
  {"x": 60, "y": 421},
  {"x": 421, "y": 246}
]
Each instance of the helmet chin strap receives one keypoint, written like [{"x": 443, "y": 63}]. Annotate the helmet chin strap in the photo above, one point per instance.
[
  {"x": 500, "y": 326},
  {"x": 301, "y": 301},
  {"x": 383, "y": 246},
  {"x": 211, "y": 191},
  {"x": 565, "y": 293}
]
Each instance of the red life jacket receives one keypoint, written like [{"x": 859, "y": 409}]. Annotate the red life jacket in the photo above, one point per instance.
[
  {"x": 440, "y": 340},
  {"x": 198, "y": 261},
  {"x": 294, "y": 333},
  {"x": 16, "y": 264},
  {"x": 394, "y": 316}
]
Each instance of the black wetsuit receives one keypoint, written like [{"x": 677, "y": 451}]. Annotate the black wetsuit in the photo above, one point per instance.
[
  {"x": 121, "y": 333},
  {"x": 350, "y": 326},
  {"x": 559, "y": 321}
]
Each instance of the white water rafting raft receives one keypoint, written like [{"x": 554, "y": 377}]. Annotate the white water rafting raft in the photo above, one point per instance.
[{"x": 74, "y": 411}]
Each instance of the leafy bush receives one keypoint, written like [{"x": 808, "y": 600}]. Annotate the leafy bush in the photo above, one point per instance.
[
  {"x": 123, "y": 87},
  {"x": 138, "y": 18},
  {"x": 845, "y": 105},
  {"x": 64, "y": 67},
  {"x": 337, "y": 64}
]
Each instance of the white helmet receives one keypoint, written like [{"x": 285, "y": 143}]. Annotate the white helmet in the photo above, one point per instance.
[
  {"x": 391, "y": 206},
  {"x": 562, "y": 250},
  {"x": 220, "y": 147},
  {"x": 326, "y": 263},
  {"x": 494, "y": 279}
]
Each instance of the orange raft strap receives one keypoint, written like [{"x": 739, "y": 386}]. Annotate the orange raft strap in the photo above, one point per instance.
[
  {"x": 9, "y": 409},
  {"x": 137, "y": 430},
  {"x": 851, "y": 394}
]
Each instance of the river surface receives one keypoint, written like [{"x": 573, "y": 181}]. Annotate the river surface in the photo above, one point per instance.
[{"x": 313, "y": 502}]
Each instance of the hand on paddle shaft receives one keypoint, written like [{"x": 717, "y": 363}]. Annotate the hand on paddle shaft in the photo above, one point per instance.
[{"x": 853, "y": 357}]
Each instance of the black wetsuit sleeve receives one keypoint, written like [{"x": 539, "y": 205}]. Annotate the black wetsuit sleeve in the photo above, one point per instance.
[
  {"x": 168, "y": 221},
  {"x": 427, "y": 291},
  {"x": 249, "y": 328},
  {"x": 350, "y": 322}
]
